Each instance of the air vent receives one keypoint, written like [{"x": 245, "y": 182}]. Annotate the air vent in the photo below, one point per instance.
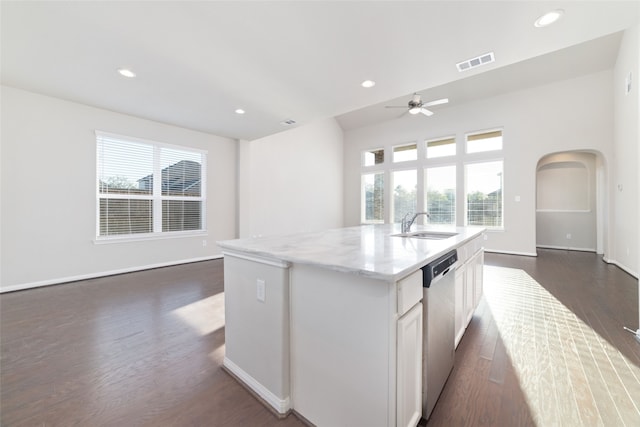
[
  {"x": 487, "y": 58},
  {"x": 288, "y": 122}
]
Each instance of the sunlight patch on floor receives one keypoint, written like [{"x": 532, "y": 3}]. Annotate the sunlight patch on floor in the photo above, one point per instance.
[
  {"x": 204, "y": 316},
  {"x": 569, "y": 374}
]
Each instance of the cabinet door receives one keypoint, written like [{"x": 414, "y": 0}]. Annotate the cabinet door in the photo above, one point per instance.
[
  {"x": 409, "y": 292},
  {"x": 478, "y": 277},
  {"x": 459, "y": 323},
  {"x": 469, "y": 305},
  {"x": 409, "y": 368}
]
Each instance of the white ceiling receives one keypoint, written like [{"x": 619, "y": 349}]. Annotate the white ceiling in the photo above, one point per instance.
[{"x": 196, "y": 62}]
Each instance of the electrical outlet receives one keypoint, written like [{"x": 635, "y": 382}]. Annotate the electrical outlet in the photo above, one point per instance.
[
  {"x": 568, "y": 236},
  {"x": 204, "y": 243},
  {"x": 260, "y": 290}
]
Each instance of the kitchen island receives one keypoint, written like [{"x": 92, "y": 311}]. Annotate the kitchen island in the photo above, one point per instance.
[{"x": 329, "y": 324}]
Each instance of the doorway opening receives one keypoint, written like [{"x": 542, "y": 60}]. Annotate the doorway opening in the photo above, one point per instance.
[{"x": 570, "y": 201}]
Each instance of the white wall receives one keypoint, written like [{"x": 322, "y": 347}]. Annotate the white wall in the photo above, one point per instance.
[
  {"x": 624, "y": 178},
  {"x": 49, "y": 192},
  {"x": 292, "y": 181},
  {"x": 569, "y": 115},
  {"x": 566, "y": 201}
]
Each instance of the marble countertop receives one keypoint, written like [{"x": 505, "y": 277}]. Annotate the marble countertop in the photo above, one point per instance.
[{"x": 367, "y": 250}]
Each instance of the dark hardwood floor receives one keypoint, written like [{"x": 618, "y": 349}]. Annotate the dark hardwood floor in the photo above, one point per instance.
[
  {"x": 545, "y": 347},
  {"x": 139, "y": 349}
]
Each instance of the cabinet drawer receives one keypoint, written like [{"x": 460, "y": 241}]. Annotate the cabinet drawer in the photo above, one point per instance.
[{"x": 409, "y": 292}]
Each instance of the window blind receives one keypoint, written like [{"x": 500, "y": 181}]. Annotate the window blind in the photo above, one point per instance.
[
  {"x": 441, "y": 148},
  {"x": 146, "y": 187},
  {"x": 485, "y": 141},
  {"x": 404, "y": 153},
  {"x": 485, "y": 135}
]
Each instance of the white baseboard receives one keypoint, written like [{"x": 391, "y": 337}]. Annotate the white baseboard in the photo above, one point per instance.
[
  {"x": 68, "y": 279},
  {"x": 620, "y": 266},
  {"x": 566, "y": 248},
  {"x": 510, "y": 252},
  {"x": 281, "y": 406}
]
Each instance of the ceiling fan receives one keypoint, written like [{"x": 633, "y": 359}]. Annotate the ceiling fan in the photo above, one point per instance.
[{"x": 417, "y": 106}]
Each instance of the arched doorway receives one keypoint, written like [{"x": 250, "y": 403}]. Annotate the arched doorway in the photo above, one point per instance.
[{"x": 570, "y": 200}]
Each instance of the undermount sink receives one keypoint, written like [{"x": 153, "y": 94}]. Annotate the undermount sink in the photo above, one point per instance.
[{"x": 429, "y": 235}]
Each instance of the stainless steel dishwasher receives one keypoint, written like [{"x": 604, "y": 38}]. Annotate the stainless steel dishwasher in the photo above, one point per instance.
[{"x": 439, "y": 334}]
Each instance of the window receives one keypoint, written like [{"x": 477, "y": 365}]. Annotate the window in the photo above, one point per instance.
[
  {"x": 404, "y": 153},
  {"x": 455, "y": 185},
  {"x": 148, "y": 188},
  {"x": 373, "y": 198},
  {"x": 441, "y": 148},
  {"x": 373, "y": 157},
  {"x": 486, "y": 141},
  {"x": 440, "y": 194},
  {"x": 484, "y": 194},
  {"x": 404, "y": 193}
]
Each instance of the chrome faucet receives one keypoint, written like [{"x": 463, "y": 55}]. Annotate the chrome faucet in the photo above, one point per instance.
[{"x": 407, "y": 223}]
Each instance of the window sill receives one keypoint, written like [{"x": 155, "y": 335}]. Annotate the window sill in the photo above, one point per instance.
[
  {"x": 563, "y": 210},
  {"x": 489, "y": 229},
  {"x": 105, "y": 240}
]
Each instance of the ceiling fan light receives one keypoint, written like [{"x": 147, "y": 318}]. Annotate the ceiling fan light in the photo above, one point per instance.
[{"x": 414, "y": 110}]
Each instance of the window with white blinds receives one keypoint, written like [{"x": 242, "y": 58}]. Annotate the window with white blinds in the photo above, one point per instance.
[
  {"x": 147, "y": 188},
  {"x": 485, "y": 141}
]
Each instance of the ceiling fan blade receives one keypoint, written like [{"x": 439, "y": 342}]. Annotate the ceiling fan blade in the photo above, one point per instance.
[
  {"x": 436, "y": 102},
  {"x": 395, "y": 106},
  {"x": 426, "y": 112}
]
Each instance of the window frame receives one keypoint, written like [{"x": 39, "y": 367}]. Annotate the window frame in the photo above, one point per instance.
[
  {"x": 156, "y": 196},
  {"x": 422, "y": 163},
  {"x": 372, "y": 151},
  {"x": 441, "y": 139},
  {"x": 425, "y": 187},
  {"x": 466, "y": 192},
  {"x": 363, "y": 196},
  {"x": 392, "y": 185},
  {"x": 483, "y": 132},
  {"x": 403, "y": 145}
]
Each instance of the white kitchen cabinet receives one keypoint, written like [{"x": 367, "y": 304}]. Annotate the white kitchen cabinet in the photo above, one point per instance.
[
  {"x": 356, "y": 358},
  {"x": 459, "y": 323},
  {"x": 409, "y": 292},
  {"x": 330, "y": 324},
  {"x": 469, "y": 285},
  {"x": 409, "y": 368},
  {"x": 478, "y": 284},
  {"x": 469, "y": 294}
]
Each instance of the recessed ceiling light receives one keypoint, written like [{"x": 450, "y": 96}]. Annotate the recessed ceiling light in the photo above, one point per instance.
[
  {"x": 368, "y": 83},
  {"x": 549, "y": 18},
  {"x": 240, "y": 111},
  {"x": 126, "y": 72}
]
